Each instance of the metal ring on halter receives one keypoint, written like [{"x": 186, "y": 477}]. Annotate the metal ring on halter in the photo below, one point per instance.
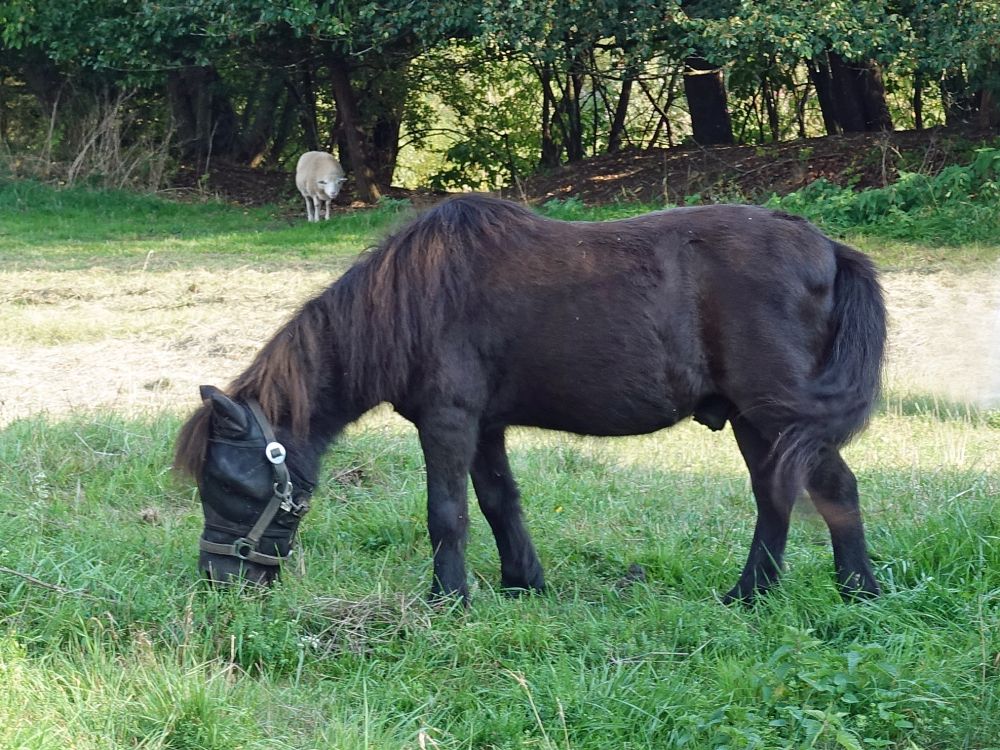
[{"x": 243, "y": 548}]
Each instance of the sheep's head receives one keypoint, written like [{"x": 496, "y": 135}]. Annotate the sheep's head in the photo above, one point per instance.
[{"x": 331, "y": 183}]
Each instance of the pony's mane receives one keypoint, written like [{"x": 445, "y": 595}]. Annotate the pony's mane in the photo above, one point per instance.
[
  {"x": 395, "y": 302},
  {"x": 375, "y": 322}
]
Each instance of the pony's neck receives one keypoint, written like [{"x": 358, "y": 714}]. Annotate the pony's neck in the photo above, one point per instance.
[
  {"x": 302, "y": 377},
  {"x": 323, "y": 369}
]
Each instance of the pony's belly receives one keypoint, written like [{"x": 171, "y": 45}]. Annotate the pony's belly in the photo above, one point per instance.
[{"x": 601, "y": 418}]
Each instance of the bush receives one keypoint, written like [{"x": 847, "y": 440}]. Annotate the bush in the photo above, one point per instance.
[{"x": 958, "y": 205}]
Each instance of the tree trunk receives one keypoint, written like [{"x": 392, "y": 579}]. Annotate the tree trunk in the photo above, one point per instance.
[
  {"x": 859, "y": 96},
  {"x": 3, "y": 108},
  {"x": 958, "y": 100},
  {"x": 384, "y": 148},
  {"x": 617, "y": 131},
  {"x": 382, "y": 103},
  {"x": 848, "y": 107},
  {"x": 549, "y": 156},
  {"x": 989, "y": 109},
  {"x": 206, "y": 121},
  {"x": 851, "y": 95},
  {"x": 303, "y": 89},
  {"x": 706, "y": 96},
  {"x": 358, "y": 162},
  {"x": 770, "y": 97},
  {"x": 305, "y": 113},
  {"x": 284, "y": 129},
  {"x": 44, "y": 80},
  {"x": 259, "y": 121},
  {"x": 871, "y": 92},
  {"x": 819, "y": 73},
  {"x": 570, "y": 104},
  {"x": 800, "y": 109}
]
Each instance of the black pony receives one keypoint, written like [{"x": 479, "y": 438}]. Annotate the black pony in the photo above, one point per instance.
[{"x": 480, "y": 314}]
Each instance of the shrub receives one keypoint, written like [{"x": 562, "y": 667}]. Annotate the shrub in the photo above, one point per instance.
[{"x": 958, "y": 205}]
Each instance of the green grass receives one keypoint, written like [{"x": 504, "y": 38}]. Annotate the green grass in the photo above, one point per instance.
[
  {"x": 344, "y": 653},
  {"x": 108, "y": 640},
  {"x": 957, "y": 208},
  {"x": 78, "y": 228}
]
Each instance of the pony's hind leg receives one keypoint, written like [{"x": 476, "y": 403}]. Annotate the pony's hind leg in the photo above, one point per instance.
[
  {"x": 834, "y": 492},
  {"x": 775, "y": 495},
  {"x": 500, "y": 502}
]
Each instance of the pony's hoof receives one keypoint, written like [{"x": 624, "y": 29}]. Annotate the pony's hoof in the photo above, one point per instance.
[
  {"x": 859, "y": 587},
  {"x": 744, "y": 594},
  {"x": 448, "y": 599},
  {"x": 517, "y": 591},
  {"x": 532, "y": 582},
  {"x": 736, "y": 595}
]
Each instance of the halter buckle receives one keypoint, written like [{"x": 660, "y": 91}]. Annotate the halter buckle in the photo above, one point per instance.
[{"x": 288, "y": 503}]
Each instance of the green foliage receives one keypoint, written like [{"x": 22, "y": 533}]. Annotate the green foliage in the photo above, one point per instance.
[
  {"x": 482, "y": 72},
  {"x": 960, "y": 204},
  {"x": 491, "y": 106},
  {"x": 573, "y": 209}
]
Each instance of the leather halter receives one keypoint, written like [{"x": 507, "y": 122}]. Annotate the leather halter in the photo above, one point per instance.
[{"x": 245, "y": 548}]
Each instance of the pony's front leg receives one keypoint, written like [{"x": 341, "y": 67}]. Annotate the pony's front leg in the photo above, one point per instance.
[
  {"x": 448, "y": 439},
  {"x": 500, "y": 502}
]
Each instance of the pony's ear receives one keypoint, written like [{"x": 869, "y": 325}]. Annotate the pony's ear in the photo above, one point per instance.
[{"x": 229, "y": 417}]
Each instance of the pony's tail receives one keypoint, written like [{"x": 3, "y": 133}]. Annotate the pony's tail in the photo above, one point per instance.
[{"x": 837, "y": 403}]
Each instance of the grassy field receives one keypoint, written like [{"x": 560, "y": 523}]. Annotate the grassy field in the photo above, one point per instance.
[{"x": 116, "y": 307}]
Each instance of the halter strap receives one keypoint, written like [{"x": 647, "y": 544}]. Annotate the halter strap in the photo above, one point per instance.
[{"x": 245, "y": 548}]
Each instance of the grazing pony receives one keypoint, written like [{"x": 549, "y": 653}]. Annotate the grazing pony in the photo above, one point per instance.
[{"x": 480, "y": 314}]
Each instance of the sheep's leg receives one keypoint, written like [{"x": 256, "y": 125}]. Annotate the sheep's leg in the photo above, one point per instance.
[
  {"x": 327, "y": 203},
  {"x": 309, "y": 208}
]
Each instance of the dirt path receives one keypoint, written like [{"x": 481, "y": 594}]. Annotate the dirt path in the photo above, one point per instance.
[{"x": 141, "y": 342}]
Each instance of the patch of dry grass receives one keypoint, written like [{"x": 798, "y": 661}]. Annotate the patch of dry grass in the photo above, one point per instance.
[
  {"x": 357, "y": 626},
  {"x": 140, "y": 341},
  {"x": 136, "y": 342},
  {"x": 945, "y": 335}
]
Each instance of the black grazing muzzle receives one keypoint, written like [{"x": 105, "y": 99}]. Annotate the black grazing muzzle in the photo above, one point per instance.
[{"x": 246, "y": 467}]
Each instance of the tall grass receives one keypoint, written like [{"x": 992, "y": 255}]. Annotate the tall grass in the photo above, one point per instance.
[{"x": 113, "y": 642}]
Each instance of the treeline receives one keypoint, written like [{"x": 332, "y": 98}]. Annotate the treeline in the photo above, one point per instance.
[{"x": 502, "y": 86}]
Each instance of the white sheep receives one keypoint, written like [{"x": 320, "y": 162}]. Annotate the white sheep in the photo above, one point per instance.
[{"x": 318, "y": 176}]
